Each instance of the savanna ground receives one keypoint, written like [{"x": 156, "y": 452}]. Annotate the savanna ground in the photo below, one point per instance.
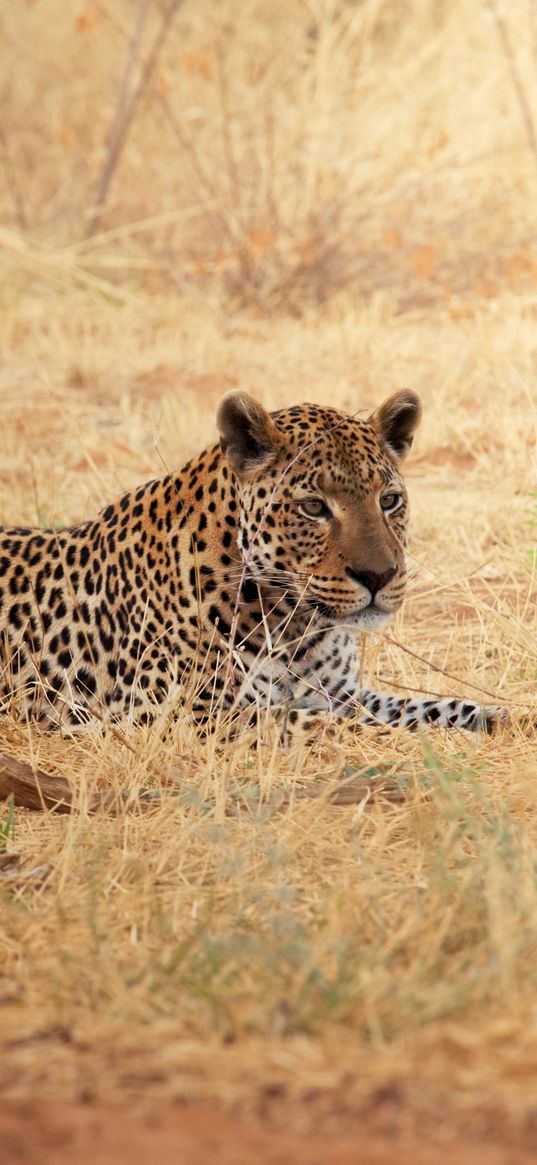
[{"x": 320, "y": 201}]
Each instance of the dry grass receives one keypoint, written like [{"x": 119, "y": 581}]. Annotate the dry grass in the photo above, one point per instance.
[{"x": 325, "y": 203}]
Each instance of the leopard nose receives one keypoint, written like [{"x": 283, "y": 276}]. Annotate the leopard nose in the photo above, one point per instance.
[{"x": 370, "y": 580}]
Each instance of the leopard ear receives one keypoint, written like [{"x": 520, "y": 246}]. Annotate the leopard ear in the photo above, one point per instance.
[
  {"x": 248, "y": 436},
  {"x": 397, "y": 420}
]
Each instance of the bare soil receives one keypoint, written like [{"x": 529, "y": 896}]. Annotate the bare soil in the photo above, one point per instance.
[{"x": 61, "y": 1133}]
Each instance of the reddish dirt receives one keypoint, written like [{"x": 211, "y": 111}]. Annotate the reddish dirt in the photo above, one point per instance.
[{"x": 198, "y": 1134}]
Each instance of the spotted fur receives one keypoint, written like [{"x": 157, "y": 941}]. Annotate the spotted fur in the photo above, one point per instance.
[{"x": 240, "y": 581}]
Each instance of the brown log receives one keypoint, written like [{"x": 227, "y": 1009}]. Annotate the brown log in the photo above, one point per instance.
[{"x": 34, "y": 789}]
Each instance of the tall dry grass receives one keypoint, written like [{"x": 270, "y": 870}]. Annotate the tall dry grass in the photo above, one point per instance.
[
  {"x": 313, "y": 202},
  {"x": 274, "y": 154}
]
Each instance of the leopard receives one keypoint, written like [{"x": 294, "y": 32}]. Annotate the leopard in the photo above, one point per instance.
[{"x": 243, "y": 582}]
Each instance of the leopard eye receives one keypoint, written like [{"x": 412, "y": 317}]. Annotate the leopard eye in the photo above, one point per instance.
[
  {"x": 390, "y": 502},
  {"x": 314, "y": 508}
]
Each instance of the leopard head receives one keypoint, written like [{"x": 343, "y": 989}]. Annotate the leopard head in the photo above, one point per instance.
[{"x": 323, "y": 505}]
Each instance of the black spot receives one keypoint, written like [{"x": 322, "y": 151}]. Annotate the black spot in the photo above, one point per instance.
[
  {"x": 84, "y": 681},
  {"x": 249, "y": 591},
  {"x": 218, "y": 620},
  {"x": 433, "y": 714}
]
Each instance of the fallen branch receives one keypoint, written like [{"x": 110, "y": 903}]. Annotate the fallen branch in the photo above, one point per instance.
[{"x": 34, "y": 789}]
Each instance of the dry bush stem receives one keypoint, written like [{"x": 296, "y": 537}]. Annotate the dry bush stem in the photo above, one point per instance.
[
  {"x": 119, "y": 124},
  {"x": 126, "y": 107}
]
